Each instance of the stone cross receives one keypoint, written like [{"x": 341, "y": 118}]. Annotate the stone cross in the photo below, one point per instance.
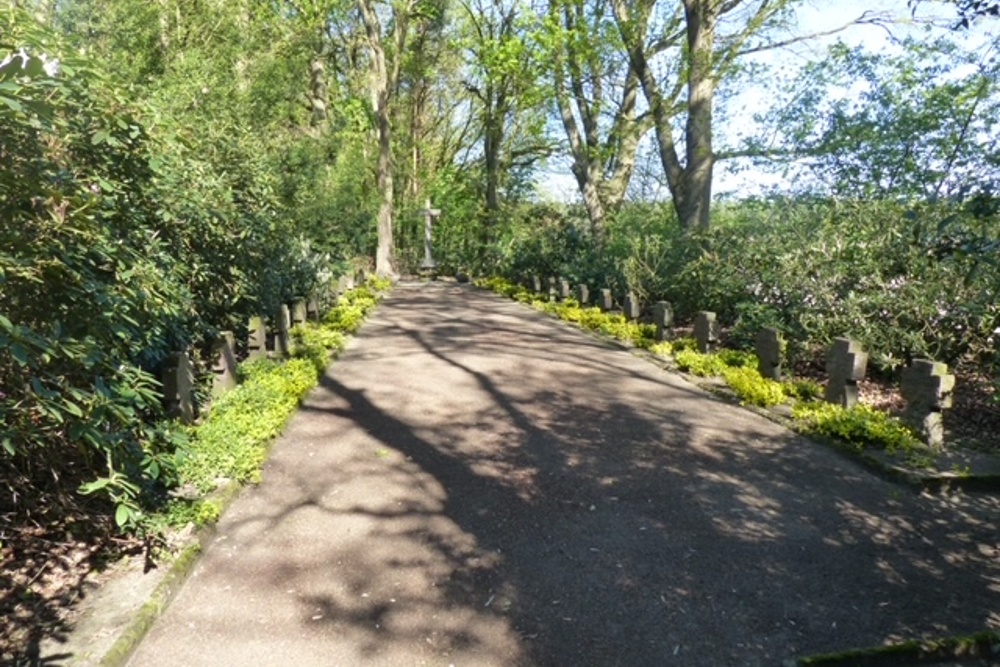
[
  {"x": 706, "y": 331},
  {"x": 927, "y": 388},
  {"x": 607, "y": 302},
  {"x": 299, "y": 311},
  {"x": 256, "y": 338},
  {"x": 631, "y": 306},
  {"x": 178, "y": 387},
  {"x": 430, "y": 217},
  {"x": 769, "y": 346},
  {"x": 224, "y": 364},
  {"x": 583, "y": 294},
  {"x": 563, "y": 289},
  {"x": 846, "y": 363},
  {"x": 663, "y": 318}
]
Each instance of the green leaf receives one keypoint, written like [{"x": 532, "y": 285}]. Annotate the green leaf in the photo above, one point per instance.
[
  {"x": 8, "y": 446},
  {"x": 124, "y": 515},
  {"x": 20, "y": 354},
  {"x": 96, "y": 485}
]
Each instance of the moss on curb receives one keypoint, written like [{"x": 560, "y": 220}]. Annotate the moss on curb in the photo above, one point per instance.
[{"x": 122, "y": 649}]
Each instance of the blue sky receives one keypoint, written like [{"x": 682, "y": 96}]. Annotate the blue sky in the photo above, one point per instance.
[{"x": 811, "y": 17}]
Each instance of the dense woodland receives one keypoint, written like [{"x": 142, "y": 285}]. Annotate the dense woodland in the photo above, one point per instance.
[{"x": 171, "y": 168}]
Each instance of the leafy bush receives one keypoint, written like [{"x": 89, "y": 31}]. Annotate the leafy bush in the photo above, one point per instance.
[
  {"x": 861, "y": 426},
  {"x": 752, "y": 388},
  {"x": 696, "y": 363},
  {"x": 664, "y": 349},
  {"x": 232, "y": 442},
  {"x": 803, "y": 390},
  {"x": 316, "y": 343}
]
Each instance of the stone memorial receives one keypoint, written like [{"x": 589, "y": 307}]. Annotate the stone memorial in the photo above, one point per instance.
[
  {"x": 299, "y": 311},
  {"x": 312, "y": 309},
  {"x": 846, "y": 363},
  {"x": 770, "y": 347},
  {"x": 663, "y": 318},
  {"x": 583, "y": 294},
  {"x": 223, "y": 364},
  {"x": 630, "y": 307},
  {"x": 282, "y": 339},
  {"x": 927, "y": 388},
  {"x": 706, "y": 331},
  {"x": 178, "y": 387},
  {"x": 552, "y": 288},
  {"x": 536, "y": 285},
  {"x": 429, "y": 266},
  {"x": 607, "y": 301},
  {"x": 256, "y": 338},
  {"x": 564, "y": 290}
]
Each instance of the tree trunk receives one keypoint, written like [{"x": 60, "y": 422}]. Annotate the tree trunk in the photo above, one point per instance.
[
  {"x": 693, "y": 211},
  {"x": 380, "y": 91}
]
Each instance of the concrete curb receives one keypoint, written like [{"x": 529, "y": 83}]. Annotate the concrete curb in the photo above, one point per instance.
[{"x": 976, "y": 649}]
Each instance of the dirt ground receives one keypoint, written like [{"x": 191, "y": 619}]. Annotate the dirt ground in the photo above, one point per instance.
[{"x": 476, "y": 484}]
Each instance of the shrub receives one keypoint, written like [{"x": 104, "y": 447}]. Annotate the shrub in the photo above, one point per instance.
[
  {"x": 752, "y": 388},
  {"x": 861, "y": 426},
  {"x": 696, "y": 363}
]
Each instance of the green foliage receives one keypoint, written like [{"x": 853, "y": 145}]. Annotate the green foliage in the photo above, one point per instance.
[
  {"x": 316, "y": 343},
  {"x": 861, "y": 426},
  {"x": 232, "y": 441},
  {"x": 663, "y": 349},
  {"x": 752, "y": 388},
  {"x": 711, "y": 365},
  {"x": 803, "y": 390}
]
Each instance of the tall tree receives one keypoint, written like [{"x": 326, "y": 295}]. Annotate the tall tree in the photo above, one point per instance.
[
  {"x": 596, "y": 93},
  {"x": 680, "y": 51}
]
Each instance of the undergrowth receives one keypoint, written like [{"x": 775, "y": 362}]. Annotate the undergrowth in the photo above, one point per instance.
[{"x": 232, "y": 442}]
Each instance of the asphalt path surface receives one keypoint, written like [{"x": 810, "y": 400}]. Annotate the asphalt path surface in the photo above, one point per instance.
[{"x": 475, "y": 483}]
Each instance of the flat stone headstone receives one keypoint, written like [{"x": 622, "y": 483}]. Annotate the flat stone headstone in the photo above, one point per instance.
[
  {"x": 564, "y": 290},
  {"x": 706, "y": 331},
  {"x": 846, "y": 364},
  {"x": 282, "y": 339},
  {"x": 256, "y": 338},
  {"x": 607, "y": 301},
  {"x": 583, "y": 294},
  {"x": 178, "y": 387},
  {"x": 343, "y": 284},
  {"x": 536, "y": 284},
  {"x": 553, "y": 293},
  {"x": 769, "y": 346},
  {"x": 927, "y": 388},
  {"x": 630, "y": 306},
  {"x": 663, "y": 318},
  {"x": 299, "y": 311},
  {"x": 224, "y": 364}
]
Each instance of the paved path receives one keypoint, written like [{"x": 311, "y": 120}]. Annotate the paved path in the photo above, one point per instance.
[{"x": 474, "y": 483}]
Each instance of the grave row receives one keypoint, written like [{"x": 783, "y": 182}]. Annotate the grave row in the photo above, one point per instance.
[
  {"x": 263, "y": 337},
  {"x": 926, "y": 385}
]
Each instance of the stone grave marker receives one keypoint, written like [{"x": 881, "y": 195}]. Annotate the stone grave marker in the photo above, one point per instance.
[
  {"x": 770, "y": 347},
  {"x": 256, "y": 338},
  {"x": 663, "y": 318},
  {"x": 552, "y": 288},
  {"x": 706, "y": 331},
  {"x": 536, "y": 284},
  {"x": 564, "y": 290},
  {"x": 583, "y": 294},
  {"x": 178, "y": 387},
  {"x": 299, "y": 312},
  {"x": 224, "y": 364},
  {"x": 607, "y": 302},
  {"x": 282, "y": 339},
  {"x": 630, "y": 306},
  {"x": 312, "y": 309},
  {"x": 846, "y": 363},
  {"x": 927, "y": 388}
]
